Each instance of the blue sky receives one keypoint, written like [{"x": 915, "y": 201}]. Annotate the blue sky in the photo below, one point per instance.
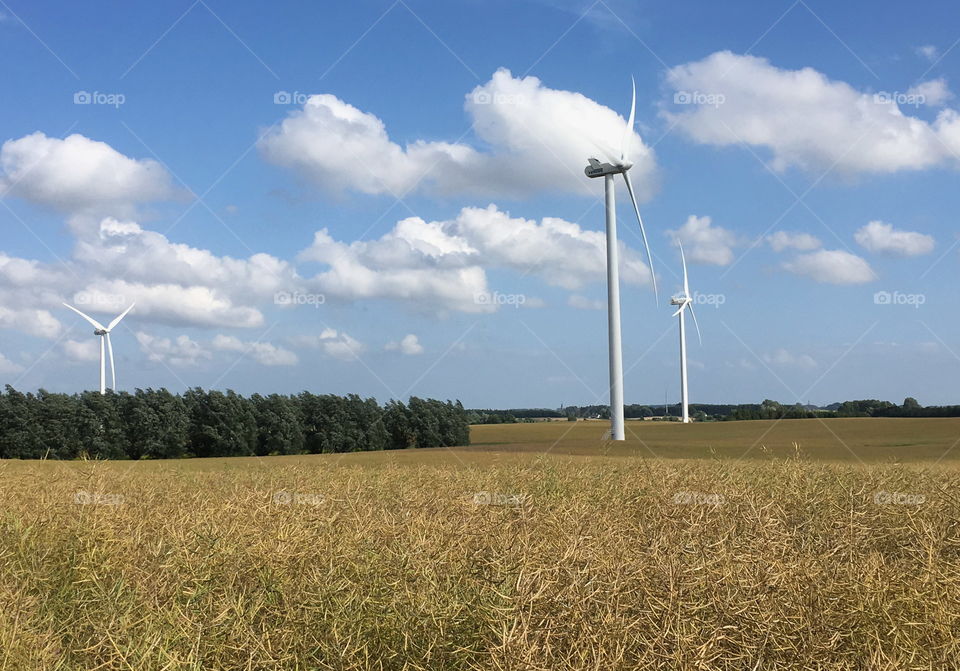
[{"x": 409, "y": 174}]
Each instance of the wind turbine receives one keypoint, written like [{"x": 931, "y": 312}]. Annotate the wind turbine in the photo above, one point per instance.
[
  {"x": 104, "y": 333},
  {"x": 684, "y": 301},
  {"x": 608, "y": 171}
]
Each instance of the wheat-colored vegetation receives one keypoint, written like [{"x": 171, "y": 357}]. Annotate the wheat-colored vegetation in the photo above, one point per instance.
[{"x": 499, "y": 556}]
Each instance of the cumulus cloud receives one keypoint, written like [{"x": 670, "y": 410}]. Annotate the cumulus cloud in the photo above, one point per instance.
[
  {"x": 34, "y": 322},
  {"x": 179, "y": 351},
  {"x": 263, "y": 353},
  {"x": 802, "y": 242},
  {"x": 82, "y": 350},
  {"x": 443, "y": 264},
  {"x": 933, "y": 92},
  {"x": 333, "y": 343},
  {"x": 409, "y": 345},
  {"x": 805, "y": 119},
  {"x": 783, "y": 358},
  {"x": 882, "y": 238},
  {"x": 832, "y": 266},
  {"x": 705, "y": 243},
  {"x": 535, "y": 139},
  {"x": 77, "y": 175}
]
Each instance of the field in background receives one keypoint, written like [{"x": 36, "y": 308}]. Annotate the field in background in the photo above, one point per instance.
[{"x": 540, "y": 547}]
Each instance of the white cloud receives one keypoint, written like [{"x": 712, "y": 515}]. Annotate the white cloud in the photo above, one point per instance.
[
  {"x": 882, "y": 238},
  {"x": 783, "y": 358},
  {"x": 802, "y": 242},
  {"x": 538, "y": 140},
  {"x": 804, "y": 118},
  {"x": 932, "y": 93},
  {"x": 705, "y": 243},
  {"x": 8, "y": 367},
  {"x": 34, "y": 322},
  {"x": 180, "y": 351},
  {"x": 928, "y": 51},
  {"x": 409, "y": 345},
  {"x": 442, "y": 265},
  {"x": 832, "y": 266},
  {"x": 80, "y": 175},
  {"x": 263, "y": 353},
  {"x": 584, "y": 303},
  {"x": 82, "y": 350},
  {"x": 333, "y": 343}
]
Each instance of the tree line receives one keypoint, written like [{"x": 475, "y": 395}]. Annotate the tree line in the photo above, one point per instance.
[{"x": 158, "y": 424}]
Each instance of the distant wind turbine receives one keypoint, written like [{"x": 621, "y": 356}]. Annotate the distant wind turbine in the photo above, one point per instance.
[
  {"x": 608, "y": 171},
  {"x": 104, "y": 333},
  {"x": 684, "y": 301}
]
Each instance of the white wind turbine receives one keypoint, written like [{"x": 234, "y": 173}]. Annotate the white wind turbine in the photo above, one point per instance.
[
  {"x": 684, "y": 301},
  {"x": 608, "y": 171},
  {"x": 104, "y": 333}
]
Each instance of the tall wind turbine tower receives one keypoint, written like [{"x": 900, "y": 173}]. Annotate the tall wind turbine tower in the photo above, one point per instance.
[
  {"x": 103, "y": 332},
  {"x": 608, "y": 171},
  {"x": 685, "y": 301}
]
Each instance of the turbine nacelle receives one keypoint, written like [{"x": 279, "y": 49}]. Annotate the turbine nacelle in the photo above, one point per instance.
[{"x": 598, "y": 169}]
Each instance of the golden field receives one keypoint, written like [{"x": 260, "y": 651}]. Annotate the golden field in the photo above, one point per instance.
[{"x": 747, "y": 545}]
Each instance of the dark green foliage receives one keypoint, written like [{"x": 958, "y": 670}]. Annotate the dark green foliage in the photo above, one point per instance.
[{"x": 155, "y": 424}]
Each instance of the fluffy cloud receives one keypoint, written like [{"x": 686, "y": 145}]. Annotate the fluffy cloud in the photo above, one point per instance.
[
  {"x": 409, "y": 345},
  {"x": 802, "y": 242},
  {"x": 783, "y": 358},
  {"x": 263, "y": 353},
  {"x": 933, "y": 92},
  {"x": 804, "y": 118},
  {"x": 82, "y": 350},
  {"x": 180, "y": 351},
  {"x": 705, "y": 243},
  {"x": 538, "y": 140},
  {"x": 443, "y": 264},
  {"x": 832, "y": 266},
  {"x": 77, "y": 175},
  {"x": 8, "y": 367},
  {"x": 333, "y": 343},
  {"x": 34, "y": 322},
  {"x": 882, "y": 238}
]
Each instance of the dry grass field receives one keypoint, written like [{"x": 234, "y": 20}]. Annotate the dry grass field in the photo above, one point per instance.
[{"x": 752, "y": 545}]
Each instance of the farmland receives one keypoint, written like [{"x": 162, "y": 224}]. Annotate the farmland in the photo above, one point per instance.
[{"x": 798, "y": 544}]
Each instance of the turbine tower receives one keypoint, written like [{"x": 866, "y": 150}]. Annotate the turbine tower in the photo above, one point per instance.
[
  {"x": 103, "y": 332},
  {"x": 684, "y": 301},
  {"x": 608, "y": 171}
]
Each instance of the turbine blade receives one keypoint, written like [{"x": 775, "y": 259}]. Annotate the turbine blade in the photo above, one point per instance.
[
  {"x": 695, "y": 322},
  {"x": 93, "y": 322},
  {"x": 113, "y": 370},
  {"x": 679, "y": 310},
  {"x": 643, "y": 232},
  {"x": 628, "y": 133},
  {"x": 683, "y": 259},
  {"x": 117, "y": 320}
]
